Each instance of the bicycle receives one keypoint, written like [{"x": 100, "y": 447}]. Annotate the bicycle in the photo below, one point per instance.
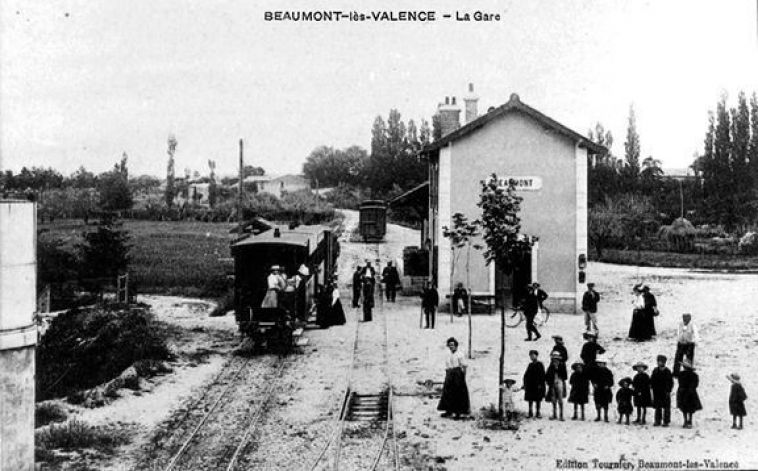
[{"x": 516, "y": 316}]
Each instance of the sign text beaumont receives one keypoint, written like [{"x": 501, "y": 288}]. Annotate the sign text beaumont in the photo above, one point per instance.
[{"x": 522, "y": 183}]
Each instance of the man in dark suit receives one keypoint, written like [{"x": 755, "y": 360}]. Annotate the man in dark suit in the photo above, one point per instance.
[
  {"x": 391, "y": 279},
  {"x": 531, "y": 305},
  {"x": 357, "y": 285},
  {"x": 429, "y": 301}
]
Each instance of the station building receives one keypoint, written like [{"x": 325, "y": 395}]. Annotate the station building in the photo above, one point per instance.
[{"x": 547, "y": 162}]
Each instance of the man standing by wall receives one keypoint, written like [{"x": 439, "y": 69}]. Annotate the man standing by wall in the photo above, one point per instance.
[
  {"x": 391, "y": 279},
  {"x": 686, "y": 338},
  {"x": 589, "y": 306},
  {"x": 429, "y": 301},
  {"x": 357, "y": 285}
]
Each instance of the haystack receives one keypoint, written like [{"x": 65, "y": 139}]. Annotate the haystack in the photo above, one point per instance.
[{"x": 679, "y": 235}]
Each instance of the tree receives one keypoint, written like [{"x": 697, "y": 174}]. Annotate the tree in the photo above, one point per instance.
[
  {"x": 115, "y": 194},
  {"x": 328, "y": 167},
  {"x": 460, "y": 237},
  {"x": 605, "y": 225},
  {"x": 104, "y": 252},
  {"x": 82, "y": 178},
  {"x": 212, "y": 183},
  {"x": 251, "y": 171},
  {"x": 170, "y": 171},
  {"x": 632, "y": 151},
  {"x": 753, "y": 145},
  {"x": 506, "y": 247}
]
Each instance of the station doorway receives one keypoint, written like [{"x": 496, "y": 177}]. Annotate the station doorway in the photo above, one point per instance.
[{"x": 511, "y": 288}]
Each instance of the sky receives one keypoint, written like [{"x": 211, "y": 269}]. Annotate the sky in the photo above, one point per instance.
[{"x": 83, "y": 81}]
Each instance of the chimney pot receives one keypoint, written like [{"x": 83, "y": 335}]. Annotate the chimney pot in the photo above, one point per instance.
[
  {"x": 447, "y": 100},
  {"x": 471, "y": 104},
  {"x": 453, "y": 103},
  {"x": 471, "y": 88}
]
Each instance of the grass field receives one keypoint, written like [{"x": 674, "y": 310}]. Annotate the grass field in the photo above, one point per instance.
[
  {"x": 173, "y": 257},
  {"x": 647, "y": 258}
]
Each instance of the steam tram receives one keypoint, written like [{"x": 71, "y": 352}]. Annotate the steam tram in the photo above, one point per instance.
[
  {"x": 372, "y": 222},
  {"x": 314, "y": 247}
]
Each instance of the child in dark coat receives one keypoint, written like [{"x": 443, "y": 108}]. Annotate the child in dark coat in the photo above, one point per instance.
[
  {"x": 580, "y": 388},
  {"x": 534, "y": 383},
  {"x": 642, "y": 396},
  {"x": 737, "y": 397},
  {"x": 602, "y": 382},
  {"x": 662, "y": 382},
  {"x": 687, "y": 399},
  {"x": 624, "y": 399}
]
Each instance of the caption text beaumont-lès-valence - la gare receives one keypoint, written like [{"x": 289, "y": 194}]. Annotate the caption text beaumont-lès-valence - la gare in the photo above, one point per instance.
[{"x": 378, "y": 16}]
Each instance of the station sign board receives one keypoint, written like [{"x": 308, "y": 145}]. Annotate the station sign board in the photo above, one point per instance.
[{"x": 521, "y": 183}]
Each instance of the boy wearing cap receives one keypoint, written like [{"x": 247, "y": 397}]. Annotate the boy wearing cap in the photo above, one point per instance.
[
  {"x": 560, "y": 349},
  {"x": 589, "y": 306},
  {"x": 602, "y": 382},
  {"x": 534, "y": 383},
  {"x": 555, "y": 377},
  {"x": 624, "y": 399},
  {"x": 590, "y": 350},
  {"x": 642, "y": 397},
  {"x": 580, "y": 388},
  {"x": 737, "y": 397},
  {"x": 662, "y": 382}
]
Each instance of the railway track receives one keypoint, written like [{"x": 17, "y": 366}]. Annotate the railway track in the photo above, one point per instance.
[
  {"x": 363, "y": 435},
  {"x": 218, "y": 428}
]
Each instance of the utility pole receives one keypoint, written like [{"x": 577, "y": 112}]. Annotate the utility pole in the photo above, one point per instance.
[{"x": 241, "y": 183}]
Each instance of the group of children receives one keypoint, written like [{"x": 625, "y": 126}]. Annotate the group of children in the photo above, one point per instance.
[{"x": 643, "y": 391}]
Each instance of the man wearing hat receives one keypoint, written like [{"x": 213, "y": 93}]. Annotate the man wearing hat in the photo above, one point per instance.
[
  {"x": 589, "y": 352},
  {"x": 273, "y": 285},
  {"x": 357, "y": 283},
  {"x": 662, "y": 382},
  {"x": 530, "y": 306},
  {"x": 589, "y": 306},
  {"x": 390, "y": 278},
  {"x": 686, "y": 338}
]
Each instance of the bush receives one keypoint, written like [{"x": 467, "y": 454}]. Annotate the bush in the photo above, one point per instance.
[
  {"x": 47, "y": 412},
  {"x": 86, "y": 347},
  {"x": 76, "y": 435},
  {"x": 749, "y": 243}
]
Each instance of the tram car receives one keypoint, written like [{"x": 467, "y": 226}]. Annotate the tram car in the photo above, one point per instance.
[
  {"x": 313, "y": 247},
  {"x": 372, "y": 220}
]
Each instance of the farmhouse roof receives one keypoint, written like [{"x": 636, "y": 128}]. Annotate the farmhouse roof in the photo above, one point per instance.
[{"x": 515, "y": 104}]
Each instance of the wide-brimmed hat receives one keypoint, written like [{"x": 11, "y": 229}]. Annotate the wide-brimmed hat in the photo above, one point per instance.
[
  {"x": 626, "y": 380},
  {"x": 589, "y": 334},
  {"x": 733, "y": 377},
  {"x": 576, "y": 365},
  {"x": 558, "y": 338},
  {"x": 688, "y": 364},
  {"x": 509, "y": 381},
  {"x": 275, "y": 268},
  {"x": 303, "y": 270},
  {"x": 601, "y": 359},
  {"x": 639, "y": 364}
]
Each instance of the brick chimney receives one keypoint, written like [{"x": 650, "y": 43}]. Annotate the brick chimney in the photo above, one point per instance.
[
  {"x": 471, "y": 102},
  {"x": 450, "y": 116}
]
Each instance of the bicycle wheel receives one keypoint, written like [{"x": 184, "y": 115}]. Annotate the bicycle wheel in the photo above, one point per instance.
[
  {"x": 542, "y": 316},
  {"x": 513, "y": 317}
]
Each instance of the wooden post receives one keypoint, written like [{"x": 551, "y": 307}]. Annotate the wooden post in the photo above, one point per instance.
[{"x": 241, "y": 184}]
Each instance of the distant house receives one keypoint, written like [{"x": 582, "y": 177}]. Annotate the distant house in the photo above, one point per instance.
[
  {"x": 199, "y": 192},
  {"x": 279, "y": 185}
]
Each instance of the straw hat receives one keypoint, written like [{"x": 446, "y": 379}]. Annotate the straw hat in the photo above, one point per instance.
[
  {"x": 509, "y": 381},
  {"x": 688, "y": 364},
  {"x": 275, "y": 268},
  {"x": 303, "y": 270},
  {"x": 639, "y": 364},
  {"x": 626, "y": 380},
  {"x": 733, "y": 377}
]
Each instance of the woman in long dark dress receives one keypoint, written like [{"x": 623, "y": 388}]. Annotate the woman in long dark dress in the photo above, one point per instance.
[
  {"x": 454, "y": 400},
  {"x": 687, "y": 398},
  {"x": 651, "y": 310},
  {"x": 336, "y": 313},
  {"x": 639, "y": 329}
]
